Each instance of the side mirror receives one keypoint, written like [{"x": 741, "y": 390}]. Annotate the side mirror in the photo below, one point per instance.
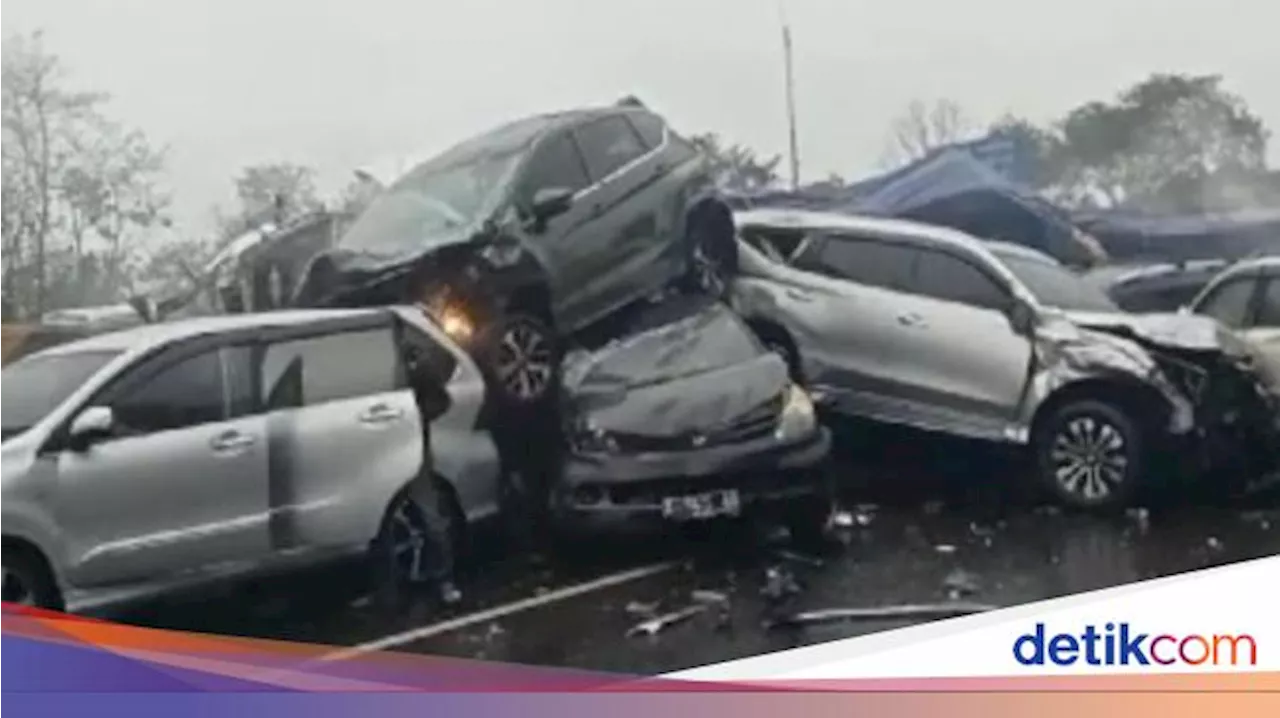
[
  {"x": 92, "y": 424},
  {"x": 550, "y": 202},
  {"x": 1022, "y": 317}
]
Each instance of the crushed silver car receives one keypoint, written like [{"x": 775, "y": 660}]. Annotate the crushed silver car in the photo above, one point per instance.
[
  {"x": 687, "y": 418},
  {"x": 920, "y": 325},
  {"x": 1246, "y": 298},
  {"x": 171, "y": 454}
]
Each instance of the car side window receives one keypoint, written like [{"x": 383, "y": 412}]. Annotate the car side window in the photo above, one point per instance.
[
  {"x": 187, "y": 393},
  {"x": 1269, "y": 312},
  {"x": 951, "y": 279},
  {"x": 332, "y": 367},
  {"x": 607, "y": 144},
  {"x": 1229, "y": 303},
  {"x": 555, "y": 164},
  {"x": 650, "y": 126},
  {"x": 871, "y": 262}
]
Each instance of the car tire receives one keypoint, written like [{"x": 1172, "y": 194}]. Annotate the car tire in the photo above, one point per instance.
[
  {"x": 522, "y": 360},
  {"x": 713, "y": 256},
  {"x": 26, "y": 581},
  {"x": 406, "y": 531},
  {"x": 1090, "y": 455}
]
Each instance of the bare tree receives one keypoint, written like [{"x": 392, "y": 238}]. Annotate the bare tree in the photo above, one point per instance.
[{"x": 924, "y": 127}]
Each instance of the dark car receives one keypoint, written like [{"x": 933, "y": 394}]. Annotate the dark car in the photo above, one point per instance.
[
  {"x": 519, "y": 237},
  {"x": 688, "y": 420},
  {"x": 1161, "y": 287}
]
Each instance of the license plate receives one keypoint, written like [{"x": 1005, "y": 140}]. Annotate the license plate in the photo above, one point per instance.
[{"x": 702, "y": 506}]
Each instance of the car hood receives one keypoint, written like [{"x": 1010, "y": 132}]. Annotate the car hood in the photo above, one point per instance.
[
  {"x": 674, "y": 380},
  {"x": 1188, "y": 332},
  {"x": 375, "y": 259},
  {"x": 341, "y": 271},
  {"x": 699, "y": 403}
]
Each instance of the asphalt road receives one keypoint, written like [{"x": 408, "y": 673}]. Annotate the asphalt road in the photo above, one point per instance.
[{"x": 932, "y": 519}]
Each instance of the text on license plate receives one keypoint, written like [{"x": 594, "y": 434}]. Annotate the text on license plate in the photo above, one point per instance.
[{"x": 702, "y": 506}]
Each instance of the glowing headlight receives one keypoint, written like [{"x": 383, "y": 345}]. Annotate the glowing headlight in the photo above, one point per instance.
[
  {"x": 798, "y": 418},
  {"x": 455, "y": 323}
]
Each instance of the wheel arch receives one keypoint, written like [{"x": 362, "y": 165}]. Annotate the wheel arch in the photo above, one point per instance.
[
  {"x": 1149, "y": 408},
  {"x": 16, "y": 543}
]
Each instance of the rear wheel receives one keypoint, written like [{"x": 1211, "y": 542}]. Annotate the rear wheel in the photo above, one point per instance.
[
  {"x": 713, "y": 252},
  {"x": 415, "y": 544},
  {"x": 1090, "y": 455},
  {"x": 27, "y": 581}
]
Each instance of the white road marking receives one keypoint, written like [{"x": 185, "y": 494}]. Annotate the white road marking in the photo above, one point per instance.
[{"x": 453, "y": 624}]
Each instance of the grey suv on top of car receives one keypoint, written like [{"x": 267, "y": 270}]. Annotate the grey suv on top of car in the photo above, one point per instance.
[
  {"x": 926, "y": 326},
  {"x": 144, "y": 460},
  {"x": 527, "y": 233}
]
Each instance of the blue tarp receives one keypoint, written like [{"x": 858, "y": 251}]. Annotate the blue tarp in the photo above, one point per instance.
[
  {"x": 1129, "y": 235},
  {"x": 950, "y": 187}
]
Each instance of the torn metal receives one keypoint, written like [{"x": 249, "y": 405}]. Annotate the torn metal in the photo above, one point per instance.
[{"x": 882, "y": 613}]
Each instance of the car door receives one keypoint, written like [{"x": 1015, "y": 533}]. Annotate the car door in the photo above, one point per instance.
[
  {"x": 1232, "y": 301},
  {"x": 343, "y": 431},
  {"x": 961, "y": 362},
  {"x": 847, "y": 308},
  {"x": 556, "y": 163},
  {"x": 621, "y": 240},
  {"x": 181, "y": 482}
]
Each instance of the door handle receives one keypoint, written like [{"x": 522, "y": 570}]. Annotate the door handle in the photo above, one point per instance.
[
  {"x": 380, "y": 414},
  {"x": 910, "y": 319},
  {"x": 230, "y": 441}
]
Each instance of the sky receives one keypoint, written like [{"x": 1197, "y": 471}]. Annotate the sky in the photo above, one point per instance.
[{"x": 335, "y": 84}]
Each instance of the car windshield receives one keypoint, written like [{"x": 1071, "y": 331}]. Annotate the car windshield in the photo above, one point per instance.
[
  {"x": 430, "y": 204},
  {"x": 1056, "y": 286},
  {"x": 443, "y": 195},
  {"x": 38, "y": 384}
]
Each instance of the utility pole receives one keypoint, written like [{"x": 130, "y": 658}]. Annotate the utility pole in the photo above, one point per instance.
[{"x": 791, "y": 98}]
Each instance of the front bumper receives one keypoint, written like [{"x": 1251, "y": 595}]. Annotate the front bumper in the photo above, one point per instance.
[{"x": 611, "y": 493}]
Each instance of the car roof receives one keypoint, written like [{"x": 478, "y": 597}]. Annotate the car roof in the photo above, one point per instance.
[
  {"x": 151, "y": 335},
  {"x": 778, "y": 217}
]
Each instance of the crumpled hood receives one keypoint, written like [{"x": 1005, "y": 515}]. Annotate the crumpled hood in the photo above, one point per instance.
[
  {"x": 698, "y": 403},
  {"x": 1173, "y": 331},
  {"x": 340, "y": 270},
  {"x": 693, "y": 375},
  {"x": 347, "y": 259}
]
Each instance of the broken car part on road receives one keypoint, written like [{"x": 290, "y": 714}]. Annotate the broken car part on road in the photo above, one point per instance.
[
  {"x": 923, "y": 612},
  {"x": 925, "y": 326}
]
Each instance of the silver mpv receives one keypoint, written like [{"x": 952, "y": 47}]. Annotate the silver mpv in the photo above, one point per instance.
[
  {"x": 150, "y": 459},
  {"x": 921, "y": 325}
]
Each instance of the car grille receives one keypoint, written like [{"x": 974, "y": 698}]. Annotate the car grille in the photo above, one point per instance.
[{"x": 757, "y": 423}]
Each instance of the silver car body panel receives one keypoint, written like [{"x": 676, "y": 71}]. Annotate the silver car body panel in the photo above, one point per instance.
[
  {"x": 904, "y": 358},
  {"x": 136, "y": 516}
]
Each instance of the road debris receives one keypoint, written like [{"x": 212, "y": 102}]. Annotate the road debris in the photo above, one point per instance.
[
  {"x": 960, "y": 583},
  {"x": 641, "y": 609},
  {"x": 881, "y": 613},
  {"x": 779, "y": 584},
  {"x": 1213, "y": 543},
  {"x": 707, "y": 597},
  {"x": 945, "y": 548},
  {"x": 800, "y": 558},
  {"x": 1140, "y": 516},
  {"x": 658, "y": 624}
]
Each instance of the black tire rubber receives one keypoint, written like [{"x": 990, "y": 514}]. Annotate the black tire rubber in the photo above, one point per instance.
[
  {"x": 1134, "y": 452},
  {"x": 705, "y": 256},
  {"x": 778, "y": 341},
  {"x": 430, "y": 501},
  {"x": 489, "y": 357},
  {"x": 33, "y": 574}
]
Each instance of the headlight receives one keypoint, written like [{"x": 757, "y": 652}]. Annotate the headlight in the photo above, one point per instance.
[
  {"x": 450, "y": 315},
  {"x": 590, "y": 440},
  {"x": 798, "y": 418}
]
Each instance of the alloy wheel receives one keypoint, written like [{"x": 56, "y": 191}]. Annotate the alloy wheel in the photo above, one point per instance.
[
  {"x": 15, "y": 590},
  {"x": 1089, "y": 457},
  {"x": 525, "y": 362},
  {"x": 408, "y": 541}
]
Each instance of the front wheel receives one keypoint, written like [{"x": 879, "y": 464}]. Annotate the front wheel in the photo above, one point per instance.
[
  {"x": 523, "y": 360},
  {"x": 1090, "y": 455},
  {"x": 415, "y": 543},
  {"x": 713, "y": 256}
]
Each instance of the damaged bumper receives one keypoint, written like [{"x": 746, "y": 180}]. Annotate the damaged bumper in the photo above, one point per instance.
[{"x": 634, "y": 492}]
